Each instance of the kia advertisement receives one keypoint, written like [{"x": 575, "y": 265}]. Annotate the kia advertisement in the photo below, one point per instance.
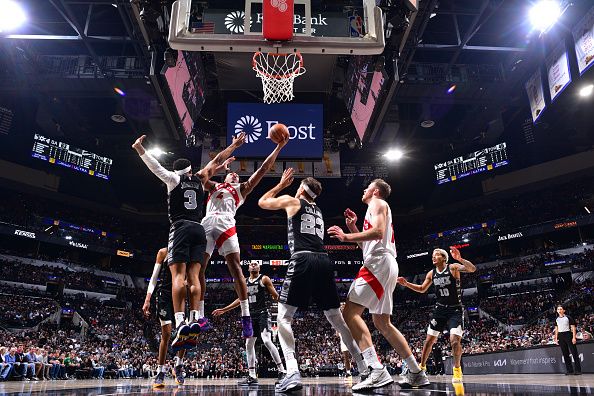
[{"x": 305, "y": 123}]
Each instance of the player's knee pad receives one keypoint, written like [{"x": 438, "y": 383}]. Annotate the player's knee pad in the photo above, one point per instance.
[{"x": 432, "y": 332}]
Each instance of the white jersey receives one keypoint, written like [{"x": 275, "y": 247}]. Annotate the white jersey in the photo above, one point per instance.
[
  {"x": 225, "y": 199},
  {"x": 379, "y": 247}
]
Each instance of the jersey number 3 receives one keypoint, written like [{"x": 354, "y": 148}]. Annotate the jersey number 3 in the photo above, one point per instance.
[
  {"x": 309, "y": 225},
  {"x": 191, "y": 202}
]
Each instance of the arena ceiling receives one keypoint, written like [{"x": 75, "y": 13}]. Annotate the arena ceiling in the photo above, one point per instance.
[{"x": 64, "y": 60}]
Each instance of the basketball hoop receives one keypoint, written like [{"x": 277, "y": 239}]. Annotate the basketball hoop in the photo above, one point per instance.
[{"x": 278, "y": 72}]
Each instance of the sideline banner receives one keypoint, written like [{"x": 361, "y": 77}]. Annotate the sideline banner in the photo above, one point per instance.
[{"x": 546, "y": 359}]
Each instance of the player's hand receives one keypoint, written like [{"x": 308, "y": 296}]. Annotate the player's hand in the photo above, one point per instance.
[
  {"x": 218, "y": 312},
  {"x": 225, "y": 165},
  {"x": 287, "y": 178},
  {"x": 350, "y": 217},
  {"x": 146, "y": 308},
  {"x": 283, "y": 142},
  {"x": 402, "y": 280},
  {"x": 137, "y": 145},
  {"x": 238, "y": 140},
  {"x": 455, "y": 253},
  {"x": 574, "y": 340},
  {"x": 337, "y": 233}
]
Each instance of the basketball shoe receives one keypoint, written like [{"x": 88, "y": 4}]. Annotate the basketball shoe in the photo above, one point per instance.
[
  {"x": 248, "y": 381},
  {"x": 178, "y": 373},
  {"x": 289, "y": 382},
  {"x": 414, "y": 380},
  {"x": 180, "y": 337},
  {"x": 376, "y": 379},
  {"x": 159, "y": 381}
]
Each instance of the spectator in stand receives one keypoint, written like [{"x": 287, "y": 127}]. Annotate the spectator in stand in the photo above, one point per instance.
[{"x": 5, "y": 366}]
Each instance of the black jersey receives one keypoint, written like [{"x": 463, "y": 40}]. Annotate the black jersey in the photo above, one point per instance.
[
  {"x": 165, "y": 278},
  {"x": 257, "y": 295},
  {"x": 185, "y": 201},
  {"x": 447, "y": 288},
  {"x": 306, "y": 229}
]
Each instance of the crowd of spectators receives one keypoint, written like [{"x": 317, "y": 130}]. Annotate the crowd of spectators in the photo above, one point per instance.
[{"x": 21, "y": 311}]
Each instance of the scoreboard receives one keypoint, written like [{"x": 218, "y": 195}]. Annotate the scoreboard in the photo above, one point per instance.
[
  {"x": 479, "y": 161},
  {"x": 63, "y": 154}
]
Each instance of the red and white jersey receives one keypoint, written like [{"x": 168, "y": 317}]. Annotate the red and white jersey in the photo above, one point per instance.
[
  {"x": 379, "y": 247},
  {"x": 224, "y": 199}
]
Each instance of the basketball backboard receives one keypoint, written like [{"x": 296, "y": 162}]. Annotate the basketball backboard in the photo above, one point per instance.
[{"x": 319, "y": 28}]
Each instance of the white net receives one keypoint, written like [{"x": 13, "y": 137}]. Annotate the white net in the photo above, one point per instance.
[{"x": 278, "y": 72}]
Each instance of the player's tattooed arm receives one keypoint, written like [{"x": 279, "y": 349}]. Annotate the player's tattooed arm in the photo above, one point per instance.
[
  {"x": 464, "y": 265},
  {"x": 211, "y": 168},
  {"x": 254, "y": 180},
  {"x": 266, "y": 281},
  {"x": 270, "y": 201},
  {"x": 220, "y": 311},
  {"x": 418, "y": 288}
]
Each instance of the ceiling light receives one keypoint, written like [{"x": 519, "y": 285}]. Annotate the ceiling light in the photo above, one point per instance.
[
  {"x": 544, "y": 14},
  {"x": 119, "y": 91},
  {"x": 451, "y": 89},
  {"x": 587, "y": 90},
  {"x": 12, "y": 15},
  {"x": 68, "y": 237},
  {"x": 587, "y": 210},
  {"x": 156, "y": 152},
  {"x": 427, "y": 123},
  {"x": 432, "y": 15},
  {"x": 394, "y": 155},
  {"x": 118, "y": 118}
]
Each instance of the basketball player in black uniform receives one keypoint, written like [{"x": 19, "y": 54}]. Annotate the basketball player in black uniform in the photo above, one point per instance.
[
  {"x": 161, "y": 283},
  {"x": 448, "y": 307},
  {"x": 260, "y": 290},
  {"x": 309, "y": 275},
  {"x": 187, "y": 240}
]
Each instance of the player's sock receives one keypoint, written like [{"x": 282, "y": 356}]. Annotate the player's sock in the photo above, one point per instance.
[
  {"x": 292, "y": 366},
  {"x": 252, "y": 371},
  {"x": 159, "y": 369},
  {"x": 200, "y": 309},
  {"x": 412, "y": 364},
  {"x": 371, "y": 358},
  {"x": 194, "y": 315},
  {"x": 179, "y": 318},
  {"x": 178, "y": 361},
  {"x": 245, "y": 307}
]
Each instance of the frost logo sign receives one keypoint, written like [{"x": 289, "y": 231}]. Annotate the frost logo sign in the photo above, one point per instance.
[{"x": 304, "y": 122}]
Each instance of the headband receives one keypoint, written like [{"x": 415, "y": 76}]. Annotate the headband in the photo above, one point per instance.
[
  {"x": 308, "y": 191},
  {"x": 184, "y": 171}
]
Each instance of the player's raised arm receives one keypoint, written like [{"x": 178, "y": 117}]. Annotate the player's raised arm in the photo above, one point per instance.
[
  {"x": 379, "y": 210},
  {"x": 254, "y": 179},
  {"x": 209, "y": 185},
  {"x": 211, "y": 168},
  {"x": 171, "y": 179},
  {"x": 463, "y": 265},
  {"x": 270, "y": 201},
  {"x": 418, "y": 288}
]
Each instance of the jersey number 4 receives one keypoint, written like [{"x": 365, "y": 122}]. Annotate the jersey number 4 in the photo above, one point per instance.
[{"x": 310, "y": 223}]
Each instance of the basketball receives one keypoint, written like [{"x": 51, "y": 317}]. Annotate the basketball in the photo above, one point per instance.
[{"x": 278, "y": 133}]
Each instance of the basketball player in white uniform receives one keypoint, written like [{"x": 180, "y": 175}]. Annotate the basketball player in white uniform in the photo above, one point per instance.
[
  {"x": 219, "y": 225},
  {"x": 374, "y": 286}
]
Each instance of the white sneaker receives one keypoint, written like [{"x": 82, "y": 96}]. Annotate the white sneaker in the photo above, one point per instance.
[
  {"x": 376, "y": 379},
  {"x": 414, "y": 380},
  {"x": 289, "y": 382}
]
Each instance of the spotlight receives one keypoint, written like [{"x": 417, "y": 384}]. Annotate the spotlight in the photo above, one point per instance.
[
  {"x": 156, "y": 152},
  {"x": 12, "y": 15},
  {"x": 587, "y": 210},
  {"x": 68, "y": 237},
  {"x": 394, "y": 155},
  {"x": 451, "y": 89},
  {"x": 119, "y": 91},
  {"x": 587, "y": 90},
  {"x": 544, "y": 14},
  {"x": 170, "y": 56}
]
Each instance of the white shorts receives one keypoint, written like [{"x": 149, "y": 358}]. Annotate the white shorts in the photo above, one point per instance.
[
  {"x": 220, "y": 233},
  {"x": 374, "y": 286}
]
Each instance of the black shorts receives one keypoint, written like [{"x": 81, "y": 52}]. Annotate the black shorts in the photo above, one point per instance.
[
  {"x": 187, "y": 242},
  {"x": 260, "y": 322},
  {"x": 446, "y": 318},
  {"x": 164, "y": 305},
  {"x": 309, "y": 277}
]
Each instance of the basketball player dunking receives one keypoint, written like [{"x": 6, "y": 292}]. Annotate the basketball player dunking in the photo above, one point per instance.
[
  {"x": 187, "y": 240},
  {"x": 260, "y": 291},
  {"x": 219, "y": 225},
  {"x": 161, "y": 282},
  {"x": 448, "y": 306},
  {"x": 309, "y": 275},
  {"x": 374, "y": 286}
]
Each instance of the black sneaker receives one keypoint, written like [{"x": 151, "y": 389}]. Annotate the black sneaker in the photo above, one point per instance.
[
  {"x": 248, "y": 381},
  {"x": 180, "y": 337},
  {"x": 279, "y": 378}
]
